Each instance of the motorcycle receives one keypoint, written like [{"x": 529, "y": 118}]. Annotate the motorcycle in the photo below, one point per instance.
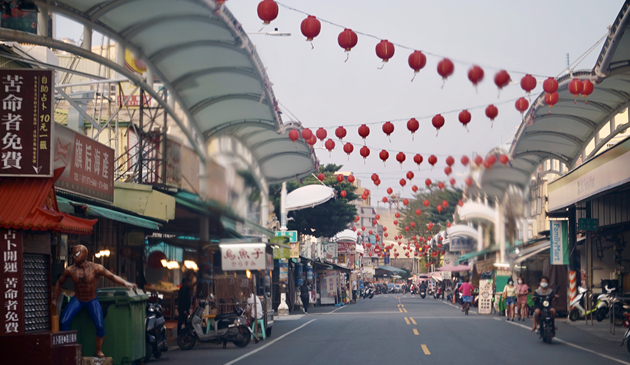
[
  {"x": 232, "y": 327},
  {"x": 547, "y": 329},
  {"x": 368, "y": 293},
  {"x": 626, "y": 336},
  {"x": 155, "y": 331},
  {"x": 437, "y": 292},
  {"x": 423, "y": 293},
  {"x": 577, "y": 310},
  {"x": 605, "y": 301}
]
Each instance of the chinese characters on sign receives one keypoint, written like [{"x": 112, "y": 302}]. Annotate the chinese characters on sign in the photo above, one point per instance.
[
  {"x": 11, "y": 281},
  {"x": 241, "y": 257},
  {"x": 89, "y": 164},
  {"x": 26, "y": 122},
  {"x": 63, "y": 338},
  {"x": 485, "y": 296}
]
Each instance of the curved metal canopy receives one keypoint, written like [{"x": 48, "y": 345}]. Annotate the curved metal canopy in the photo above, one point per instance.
[
  {"x": 563, "y": 132},
  {"x": 210, "y": 67}
]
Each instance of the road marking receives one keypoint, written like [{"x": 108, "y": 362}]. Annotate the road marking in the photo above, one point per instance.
[
  {"x": 425, "y": 349},
  {"x": 269, "y": 344},
  {"x": 400, "y": 310},
  {"x": 415, "y": 332},
  {"x": 412, "y": 320},
  {"x": 406, "y": 320},
  {"x": 576, "y": 346},
  {"x": 331, "y": 312},
  {"x": 404, "y": 309}
]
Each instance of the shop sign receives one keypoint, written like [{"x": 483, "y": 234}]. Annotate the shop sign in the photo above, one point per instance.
[
  {"x": 588, "y": 224},
  {"x": 294, "y": 250},
  {"x": 126, "y": 89},
  {"x": 346, "y": 247},
  {"x": 459, "y": 244},
  {"x": 12, "y": 309},
  {"x": 291, "y": 234},
  {"x": 341, "y": 258},
  {"x": 485, "y": 296},
  {"x": 559, "y": 237},
  {"x": 243, "y": 256},
  {"x": 283, "y": 267},
  {"x": 281, "y": 253},
  {"x": 26, "y": 124},
  {"x": 63, "y": 338},
  {"x": 485, "y": 265},
  {"x": 330, "y": 250},
  {"x": 89, "y": 165}
]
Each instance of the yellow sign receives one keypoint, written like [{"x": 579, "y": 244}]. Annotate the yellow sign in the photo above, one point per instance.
[{"x": 295, "y": 250}]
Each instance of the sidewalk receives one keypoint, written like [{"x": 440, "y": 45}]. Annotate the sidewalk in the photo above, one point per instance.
[{"x": 600, "y": 329}]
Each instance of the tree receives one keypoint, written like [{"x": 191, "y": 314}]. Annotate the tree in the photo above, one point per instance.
[{"x": 324, "y": 220}]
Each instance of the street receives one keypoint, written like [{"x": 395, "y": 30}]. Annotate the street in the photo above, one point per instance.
[{"x": 404, "y": 329}]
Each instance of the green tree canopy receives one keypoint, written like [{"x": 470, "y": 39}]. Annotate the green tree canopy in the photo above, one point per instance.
[{"x": 324, "y": 220}]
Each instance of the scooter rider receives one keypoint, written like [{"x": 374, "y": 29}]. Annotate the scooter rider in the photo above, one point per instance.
[{"x": 539, "y": 293}]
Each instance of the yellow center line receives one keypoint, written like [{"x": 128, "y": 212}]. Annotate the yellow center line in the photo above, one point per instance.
[
  {"x": 415, "y": 332},
  {"x": 400, "y": 310},
  {"x": 425, "y": 349},
  {"x": 412, "y": 320},
  {"x": 406, "y": 320},
  {"x": 404, "y": 309}
]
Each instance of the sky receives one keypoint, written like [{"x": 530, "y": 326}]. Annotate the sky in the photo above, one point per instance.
[{"x": 316, "y": 87}]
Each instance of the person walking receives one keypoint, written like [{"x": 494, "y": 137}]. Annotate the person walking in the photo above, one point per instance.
[
  {"x": 509, "y": 294},
  {"x": 305, "y": 297},
  {"x": 522, "y": 292},
  {"x": 255, "y": 309},
  {"x": 183, "y": 303}
]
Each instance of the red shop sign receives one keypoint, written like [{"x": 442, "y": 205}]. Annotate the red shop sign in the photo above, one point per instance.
[{"x": 11, "y": 282}]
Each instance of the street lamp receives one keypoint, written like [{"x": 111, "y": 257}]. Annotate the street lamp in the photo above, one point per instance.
[{"x": 274, "y": 33}]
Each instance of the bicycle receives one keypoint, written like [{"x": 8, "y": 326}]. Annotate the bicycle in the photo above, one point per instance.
[{"x": 467, "y": 299}]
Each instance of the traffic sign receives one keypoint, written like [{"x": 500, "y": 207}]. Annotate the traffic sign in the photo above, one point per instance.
[
  {"x": 291, "y": 234},
  {"x": 588, "y": 224}
]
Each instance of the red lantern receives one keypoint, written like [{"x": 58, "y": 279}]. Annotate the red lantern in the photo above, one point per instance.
[
  {"x": 364, "y": 131},
  {"x": 340, "y": 178},
  {"x": 343, "y": 193},
  {"x": 397, "y": 215},
  {"x": 469, "y": 181},
  {"x": 438, "y": 122},
  {"x": 384, "y": 201},
  {"x": 460, "y": 203},
  {"x": 363, "y": 229},
  {"x": 464, "y": 117},
  {"x": 330, "y": 145},
  {"x": 384, "y": 155},
  {"x": 365, "y": 152},
  {"x": 351, "y": 179},
  {"x": 575, "y": 87},
  {"x": 475, "y": 75},
  {"x": 294, "y": 135},
  {"x": 347, "y": 39},
  {"x": 492, "y": 159},
  {"x": 378, "y": 217},
  {"x": 551, "y": 100},
  {"x": 321, "y": 176},
  {"x": 414, "y": 188},
  {"x": 410, "y": 175},
  {"x": 348, "y": 148},
  {"x": 427, "y": 182},
  {"x": 418, "y": 211},
  {"x": 478, "y": 160},
  {"x": 528, "y": 83},
  {"x": 384, "y": 229},
  {"x": 450, "y": 161},
  {"x": 321, "y": 134},
  {"x": 400, "y": 157},
  {"x": 388, "y": 129},
  {"x": 364, "y": 197},
  {"x": 418, "y": 160},
  {"x": 465, "y": 160},
  {"x": 550, "y": 85},
  {"x": 412, "y": 224},
  {"x": 444, "y": 203},
  {"x": 587, "y": 88},
  {"x": 356, "y": 218},
  {"x": 385, "y": 234},
  {"x": 432, "y": 160},
  {"x": 310, "y": 27},
  {"x": 439, "y": 209},
  {"x": 370, "y": 231},
  {"x": 390, "y": 190},
  {"x": 406, "y": 201},
  {"x": 521, "y": 105},
  {"x": 354, "y": 229},
  {"x": 504, "y": 159},
  {"x": 448, "y": 170},
  {"x": 366, "y": 192},
  {"x": 417, "y": 60},
  {"x": 426, "y": 202},
  {"x": 452, "y": 181},
  {"x": 441, "y": 185},
  {"x": 267, "y": 11},
  {"x": 307, "y": 134},
  {"x": 311, "y": 141},
  {"x": 448, "y": 224},
  {"x": 445, "y": 68},
  {"x": 374, "y": 177},
  {"x": 502, "y": 79},
  {"x": 402, "y": 182},
  {"x": 340, "y": 132},
  {"x": 385, "y": 50},
  {"x": 406, "y": 228},
  {"x": 492, "y": 112},
  {"x": 413, "y": 126},
  {"x": 155, "y": 259},
  {"x": 395, "y": 222},
  {"x": 430, "y": 225}
]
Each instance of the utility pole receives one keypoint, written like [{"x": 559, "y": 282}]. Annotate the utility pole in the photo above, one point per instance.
[{"x": 283, "y": 308}]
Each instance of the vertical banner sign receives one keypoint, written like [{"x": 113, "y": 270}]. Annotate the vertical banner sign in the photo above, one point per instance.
[
  {"x": 485, "y": 296},
  {"x": 295, "y": 250},
  {"x": 12, "y": 308},
  {"x": 25, "y": 124},
  {"x": 559, "y": 236},
  {"x": 283, "y": 266}
]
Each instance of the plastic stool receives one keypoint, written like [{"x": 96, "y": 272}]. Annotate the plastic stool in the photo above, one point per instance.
[{"x": 261, "y": 326}]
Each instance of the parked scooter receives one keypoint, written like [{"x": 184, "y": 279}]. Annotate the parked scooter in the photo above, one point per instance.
[
  {"x": 155, "y": 332},
  {"x": 578, "y": 311},
  {"x": 626, "y": 336},
  {"x": 228, "y": 327},
  {"x": 546, "y": 327},
  {"x": 368, "y": 293},
  {"x": 423, "y": 293},
  {"x": 437, "y": 292}
]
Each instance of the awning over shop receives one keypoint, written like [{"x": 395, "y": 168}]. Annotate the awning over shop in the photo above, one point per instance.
[
  {"x": 390, "y": 268},
  {"x": 31, "y": 204},
  {"x": 67, "y": 206},
  {"x": 330, "y": 266},
  {"x": 531, "y": 251},
  {"x": 142, "y": 199},
  {"x": 470, "y": 255}
]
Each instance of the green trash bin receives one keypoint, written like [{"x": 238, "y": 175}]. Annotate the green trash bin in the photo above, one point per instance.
[{"x": 124, "y": 314}]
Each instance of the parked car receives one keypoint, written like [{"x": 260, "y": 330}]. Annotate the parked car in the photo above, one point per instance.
[
  {"x": 398, "y": 288},
  {"x": 390, "y": 288}
]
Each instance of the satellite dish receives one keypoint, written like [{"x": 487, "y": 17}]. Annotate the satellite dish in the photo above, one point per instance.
[{"x": 309, "y": 196}]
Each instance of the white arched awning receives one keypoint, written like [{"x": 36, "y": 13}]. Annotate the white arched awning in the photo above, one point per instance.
[
  {"x": 461, "y": 230},
  {"x": 472, "y": 210},
  {"x": 205, "y": 60},
  {"x": 563, "y": 132}
]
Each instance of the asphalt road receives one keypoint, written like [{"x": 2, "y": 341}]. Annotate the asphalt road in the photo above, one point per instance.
[{"x": 401, "y": 329}]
